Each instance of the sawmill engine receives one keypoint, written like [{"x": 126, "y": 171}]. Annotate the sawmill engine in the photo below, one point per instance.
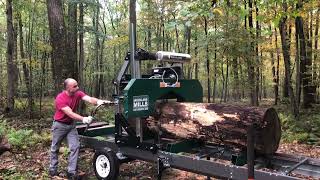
[
  {"x": 173, "y": 70},
  {"x": 169, "y": 69}
]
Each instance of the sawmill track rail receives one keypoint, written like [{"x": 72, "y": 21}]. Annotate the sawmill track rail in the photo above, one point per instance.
[{"x": 276, "y": 167}]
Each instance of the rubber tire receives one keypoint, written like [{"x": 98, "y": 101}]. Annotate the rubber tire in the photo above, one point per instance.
[{"x": 114, "y": 165}]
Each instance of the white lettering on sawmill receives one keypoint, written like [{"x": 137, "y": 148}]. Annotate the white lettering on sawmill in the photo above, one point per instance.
[{"x": 140, "y": 103}]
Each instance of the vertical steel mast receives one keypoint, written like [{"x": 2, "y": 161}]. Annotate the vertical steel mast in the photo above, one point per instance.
[{"x": 135, "y": 65}]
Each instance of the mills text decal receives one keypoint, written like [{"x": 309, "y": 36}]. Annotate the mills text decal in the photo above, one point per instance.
[{"x": 140, "y": 103}]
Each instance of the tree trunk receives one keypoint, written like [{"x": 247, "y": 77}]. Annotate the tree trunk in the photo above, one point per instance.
[
  {"x": 274, "y": 77},
  {"x": 57, "y": 37},
  {"x": 188, "y": 44},
  {"x": 1, "y": 77},
  {"x": 215, "y": 66},
  {"x": 287, "y": 78},
  {"x": 177, "y": 34},
  {"x": 223, "y": 82},
  {"x": 224, "y": 124},
  {"x": 207, "y": 59},
  {"x": 305, "y": 62},
  {"x": 316, "y": 65},
  {"x": 226, "y": 90},
  {"x": 15, "y": 52},
  {"x": 101, "y": 67},
  {"x": 278, "y": 63},
  {"x": 251, "y": 69},
  {"x": 196, "y": 68},
  {"x": 22, "y": 55},
  {"x": 95, "y": 23},
  {"x": 286, "y": 58},
  {"x": 236, "y": 92},
  {"x": 11, "y": 66},
  {"x": 258, "y": 59},
  {"x": 44, "y": 58},
  {"x": 81, "y": 49},
  {"x": 72, "y": 40},
  {"x": 298, "y": 71},
  {"x": 30, "y": 49},
  {"x": 162, "y": 28}
]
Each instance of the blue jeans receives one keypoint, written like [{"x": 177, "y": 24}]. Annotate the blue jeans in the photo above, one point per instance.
[{"x": 59, "y": 132}]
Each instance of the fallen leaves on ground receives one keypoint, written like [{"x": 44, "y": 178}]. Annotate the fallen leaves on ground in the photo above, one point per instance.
[{"x": 34, "y": 163}]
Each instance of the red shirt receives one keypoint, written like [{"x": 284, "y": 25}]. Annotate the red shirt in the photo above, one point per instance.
[{"x": 62, "y": 100}]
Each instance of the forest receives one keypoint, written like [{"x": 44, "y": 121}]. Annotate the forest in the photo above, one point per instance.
[{"x": 250, "y": 52}]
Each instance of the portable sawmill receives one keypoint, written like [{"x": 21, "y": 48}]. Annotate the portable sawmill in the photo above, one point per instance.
[
  {"x": 130, "y": 138},
  {"x": 148, "y": 125}
]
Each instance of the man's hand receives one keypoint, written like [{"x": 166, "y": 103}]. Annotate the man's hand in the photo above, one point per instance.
[
  {"x": 100, "y": 102},
  {"x": 87, "y": 120}
]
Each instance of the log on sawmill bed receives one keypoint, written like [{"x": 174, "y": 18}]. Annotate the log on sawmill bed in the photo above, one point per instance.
[{"x": 225, "y": 124}]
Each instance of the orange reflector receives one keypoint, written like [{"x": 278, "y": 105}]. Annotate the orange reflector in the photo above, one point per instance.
[{"x": 164, "y": 85}]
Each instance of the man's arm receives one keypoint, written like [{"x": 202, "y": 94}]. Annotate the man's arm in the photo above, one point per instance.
[
  {"x": 68, "y": 111},
  {"x": 93, "y": 100}
]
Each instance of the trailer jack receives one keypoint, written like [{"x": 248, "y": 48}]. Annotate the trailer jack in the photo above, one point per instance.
[{"x": 162, "y": 164}]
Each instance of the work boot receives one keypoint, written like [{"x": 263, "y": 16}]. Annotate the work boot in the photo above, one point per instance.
[
  {"x": 53, "y": 173},
  {"x": 72, "y": 176}
]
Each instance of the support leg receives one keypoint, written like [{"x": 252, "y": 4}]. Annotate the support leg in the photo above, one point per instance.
[
  {"x": 160, "y": 168},
  {"x": 250, "y": 152},
  {"x": 208, "y": 177}
]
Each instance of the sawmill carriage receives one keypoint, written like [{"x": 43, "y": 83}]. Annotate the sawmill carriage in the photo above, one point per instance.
[{"x": 160, "y": 117}]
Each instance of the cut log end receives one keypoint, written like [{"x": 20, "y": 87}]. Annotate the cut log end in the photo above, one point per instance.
[{"x": 271, "y": 133}]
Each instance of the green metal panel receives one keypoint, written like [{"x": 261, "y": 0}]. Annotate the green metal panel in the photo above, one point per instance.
[
  {"x": 239, "y": 159},
  {"x": 140, "y": 95},
  {"x": 182, "y": 146}
]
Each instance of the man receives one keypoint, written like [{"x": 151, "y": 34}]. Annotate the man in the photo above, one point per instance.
[{"x": 64, "y": 126}]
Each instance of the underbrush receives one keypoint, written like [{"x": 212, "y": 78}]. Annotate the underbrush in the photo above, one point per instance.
[
  {"x": 22, "y": 139},
  {"x": 304, "y": 130}
]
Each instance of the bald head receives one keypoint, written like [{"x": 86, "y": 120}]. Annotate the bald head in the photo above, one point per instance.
[{"x": 68, "y": 82}]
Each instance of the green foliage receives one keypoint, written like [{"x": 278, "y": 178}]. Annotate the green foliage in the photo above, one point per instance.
[
  {"x": 304, "y": 130},
  {"x": 20, "y": 139},
  {"x": 24, "y": 138},
  {"x": 65, "y": 152},
  {"x": 43, "y": 138},
  {"x": 3, "y": 127},
  {"x": 43, "y": 46},
  {"x": 14, "y": 174},
  {"x": 105, "y": 115}
]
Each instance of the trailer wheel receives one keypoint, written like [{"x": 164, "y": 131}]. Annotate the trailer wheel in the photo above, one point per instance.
[{"x": 106, "y": 165}]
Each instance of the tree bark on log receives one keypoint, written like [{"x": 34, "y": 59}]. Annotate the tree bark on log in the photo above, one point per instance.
[{"x": 223, "y": 124}]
